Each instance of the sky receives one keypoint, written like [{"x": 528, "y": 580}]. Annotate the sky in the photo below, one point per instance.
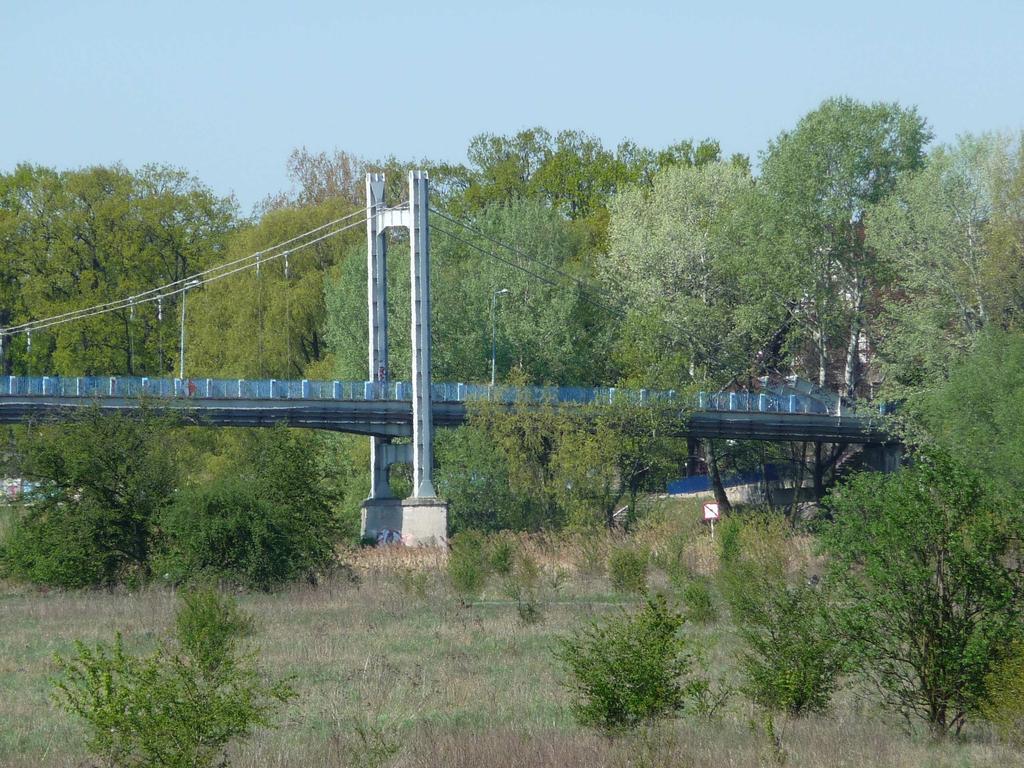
[{"x": 226, "y": 89}]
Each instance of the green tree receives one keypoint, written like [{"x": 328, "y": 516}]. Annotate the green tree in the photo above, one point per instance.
[
  {"x": 791, "y": 659},
  {"x": 78, "y": 238},
  {"x": 942, "y": 234},
  {"x": 976, "y": 412},
  {"x": 801, "y": 233},
  {"x": 627, "y": 670},
  {"x": 182, "y": 705},
  {"x": 665, "y": 262},
  {"x": 104, "y": 479},
  {"x": 929, "y": 594},
  {"x": 269, "y": 324}
]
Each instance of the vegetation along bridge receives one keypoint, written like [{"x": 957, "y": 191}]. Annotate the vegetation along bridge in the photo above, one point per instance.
[{"x": 385, "y": 408}]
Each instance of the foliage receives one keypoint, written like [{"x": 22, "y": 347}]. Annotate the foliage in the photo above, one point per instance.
[
  {"x": 1004, "y": 704},
  {"x": 105, "y": 479},
  {"x": 468, "y": 565},
  {"x": 627, "y": 569},
  {"x": 270, "y": 324},
  {"x": 502, "y": 555},
  {"x": 523, "y": 585},
  {"x": 977, "y": 411},
  {"x": 808, "y": 280},
  {"x": 929, "y": 596},
  {"x": 266, "y": 522},
  {"x": 180, "y": 706},
  {"x": 664, "y": 263},
  {"x": 950, "y": 237},
  {"x": 77, "y": 238},
  {"x": 627, "y": 670},
  {"x": 791, "y": 659},
  {"x": 699, "y": 602}
]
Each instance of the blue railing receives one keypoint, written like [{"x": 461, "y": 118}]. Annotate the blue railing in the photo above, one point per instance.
[{"x": 273, "y": 389}]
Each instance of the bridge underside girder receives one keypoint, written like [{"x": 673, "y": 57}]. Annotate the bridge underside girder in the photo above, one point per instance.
[{"x": 393, "y": 418}]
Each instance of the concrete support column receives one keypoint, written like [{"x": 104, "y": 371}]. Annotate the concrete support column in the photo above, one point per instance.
[
  {"x": 419, "y": 272},
  {"x": 377, "y": 305}
]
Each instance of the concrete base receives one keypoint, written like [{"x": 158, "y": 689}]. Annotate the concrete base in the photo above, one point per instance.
[{"x": 412, "y": 522}]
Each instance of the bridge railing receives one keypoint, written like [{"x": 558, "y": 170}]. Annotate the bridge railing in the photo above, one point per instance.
[{"x": 273, "y": 389}]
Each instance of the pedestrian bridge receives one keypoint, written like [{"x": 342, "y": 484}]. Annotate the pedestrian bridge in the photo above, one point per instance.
[{"x": 384, "y": 409}]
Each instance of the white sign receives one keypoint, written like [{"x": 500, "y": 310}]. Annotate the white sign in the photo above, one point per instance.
[{"x": 711, "y": 510}]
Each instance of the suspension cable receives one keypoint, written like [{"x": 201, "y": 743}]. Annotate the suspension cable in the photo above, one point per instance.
[{"x": 176, "y": 286}]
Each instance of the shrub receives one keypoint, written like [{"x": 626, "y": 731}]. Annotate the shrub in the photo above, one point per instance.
[
  {"x": 627, "y": 569},
  {"x": 792, "y": 658},
  {"x": 523, "y": 586},
  {"x": 627, "y": 670},
  {"x": 180, "y": 706},
  {"x": 1004, "y": 705},
  {"x": 106, "y": 478},
  {"x": 230, "y": 529},
  {"x": 700, "y": 605},
  {"x": 502, "y": 555},
  {"x": 925, "y": 564},
  {"x": 467, "y": 564}
]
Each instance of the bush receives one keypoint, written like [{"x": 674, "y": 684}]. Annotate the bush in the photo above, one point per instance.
[
  {"x": 627, "y": 569},
  {"x": 523, "y": 586},
  {"x": 1004, "y": 705},
  {"x": 178, "y": 707},
  {"x": 105, "y": 479},
  {"x": 791, "y": 659},
  {"x": 627, "y": 670},
  {"x": 502, "y": 555},
  {"x": 926, "y": 567},
  {"x": 229, "y": 529},
  {"x": 468, "y": 565},
  {"x": 700, "y": 605}
]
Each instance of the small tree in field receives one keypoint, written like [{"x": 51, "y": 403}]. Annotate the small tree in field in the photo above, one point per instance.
[
  {"x": 791, "y": 657},
  {"x": 627, "y": 670},
  {"x": 178, "y": 707},
  {"x": 926, "y": 568}
]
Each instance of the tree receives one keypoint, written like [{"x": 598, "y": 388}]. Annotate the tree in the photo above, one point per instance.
[
  {"x": 104, "y": 479},
  {"x": 79, "y": 238},
  {"x": 627, "y": 670},
  {"x": 180, "y": 706},
  {"x": 976, "y": 412},
  {"x": 546, "y": 329},
  {"x": 802, "y": 231},
  {"x": 664, "y": 261},
  {"x": 791, "y": 660},
  {"x": 926, "y": 566},
  {"x": 946, "y": 234},
  {"x": 265, "y": 520},
  {"x": 269, "y": 324}
]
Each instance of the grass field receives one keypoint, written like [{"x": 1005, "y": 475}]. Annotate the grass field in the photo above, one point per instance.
[{"x": 392, "y": 669}]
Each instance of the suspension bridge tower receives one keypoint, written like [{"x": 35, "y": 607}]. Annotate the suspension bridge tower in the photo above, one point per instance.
[{"x": 421, "y": 519}]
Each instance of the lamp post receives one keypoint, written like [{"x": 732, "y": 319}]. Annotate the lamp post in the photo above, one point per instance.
[
  {"x": 181, "y": 344},
  {"x": 494, "y": 330}
]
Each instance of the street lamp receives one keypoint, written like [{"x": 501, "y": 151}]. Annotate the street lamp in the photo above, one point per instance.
[
  {"x": 181, "y": 344},
  {"x": 494, "y": 330}
]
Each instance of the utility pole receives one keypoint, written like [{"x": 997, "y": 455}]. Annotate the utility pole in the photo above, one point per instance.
[{"x": 181, "y": 343}]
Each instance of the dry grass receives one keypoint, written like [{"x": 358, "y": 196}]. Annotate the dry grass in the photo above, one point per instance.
[{"x": 393, "y": 670}]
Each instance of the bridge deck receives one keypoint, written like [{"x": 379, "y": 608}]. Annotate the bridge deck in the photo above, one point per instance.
[{"x": 385, "y": 410}]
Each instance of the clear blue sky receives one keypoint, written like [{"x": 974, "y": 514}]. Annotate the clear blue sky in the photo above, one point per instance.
[{"x": 226, "y": 88}]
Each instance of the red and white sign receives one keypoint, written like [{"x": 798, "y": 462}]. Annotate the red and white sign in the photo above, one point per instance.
[{"x": 711, "y": 510}]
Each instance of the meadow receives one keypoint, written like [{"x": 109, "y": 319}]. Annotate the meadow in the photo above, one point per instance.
[{"x": 394, "y": 669}]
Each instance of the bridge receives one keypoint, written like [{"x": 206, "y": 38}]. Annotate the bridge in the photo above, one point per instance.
[
  {"x": 388, "y": 410},
  {"x": 384, "y": 409}
]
